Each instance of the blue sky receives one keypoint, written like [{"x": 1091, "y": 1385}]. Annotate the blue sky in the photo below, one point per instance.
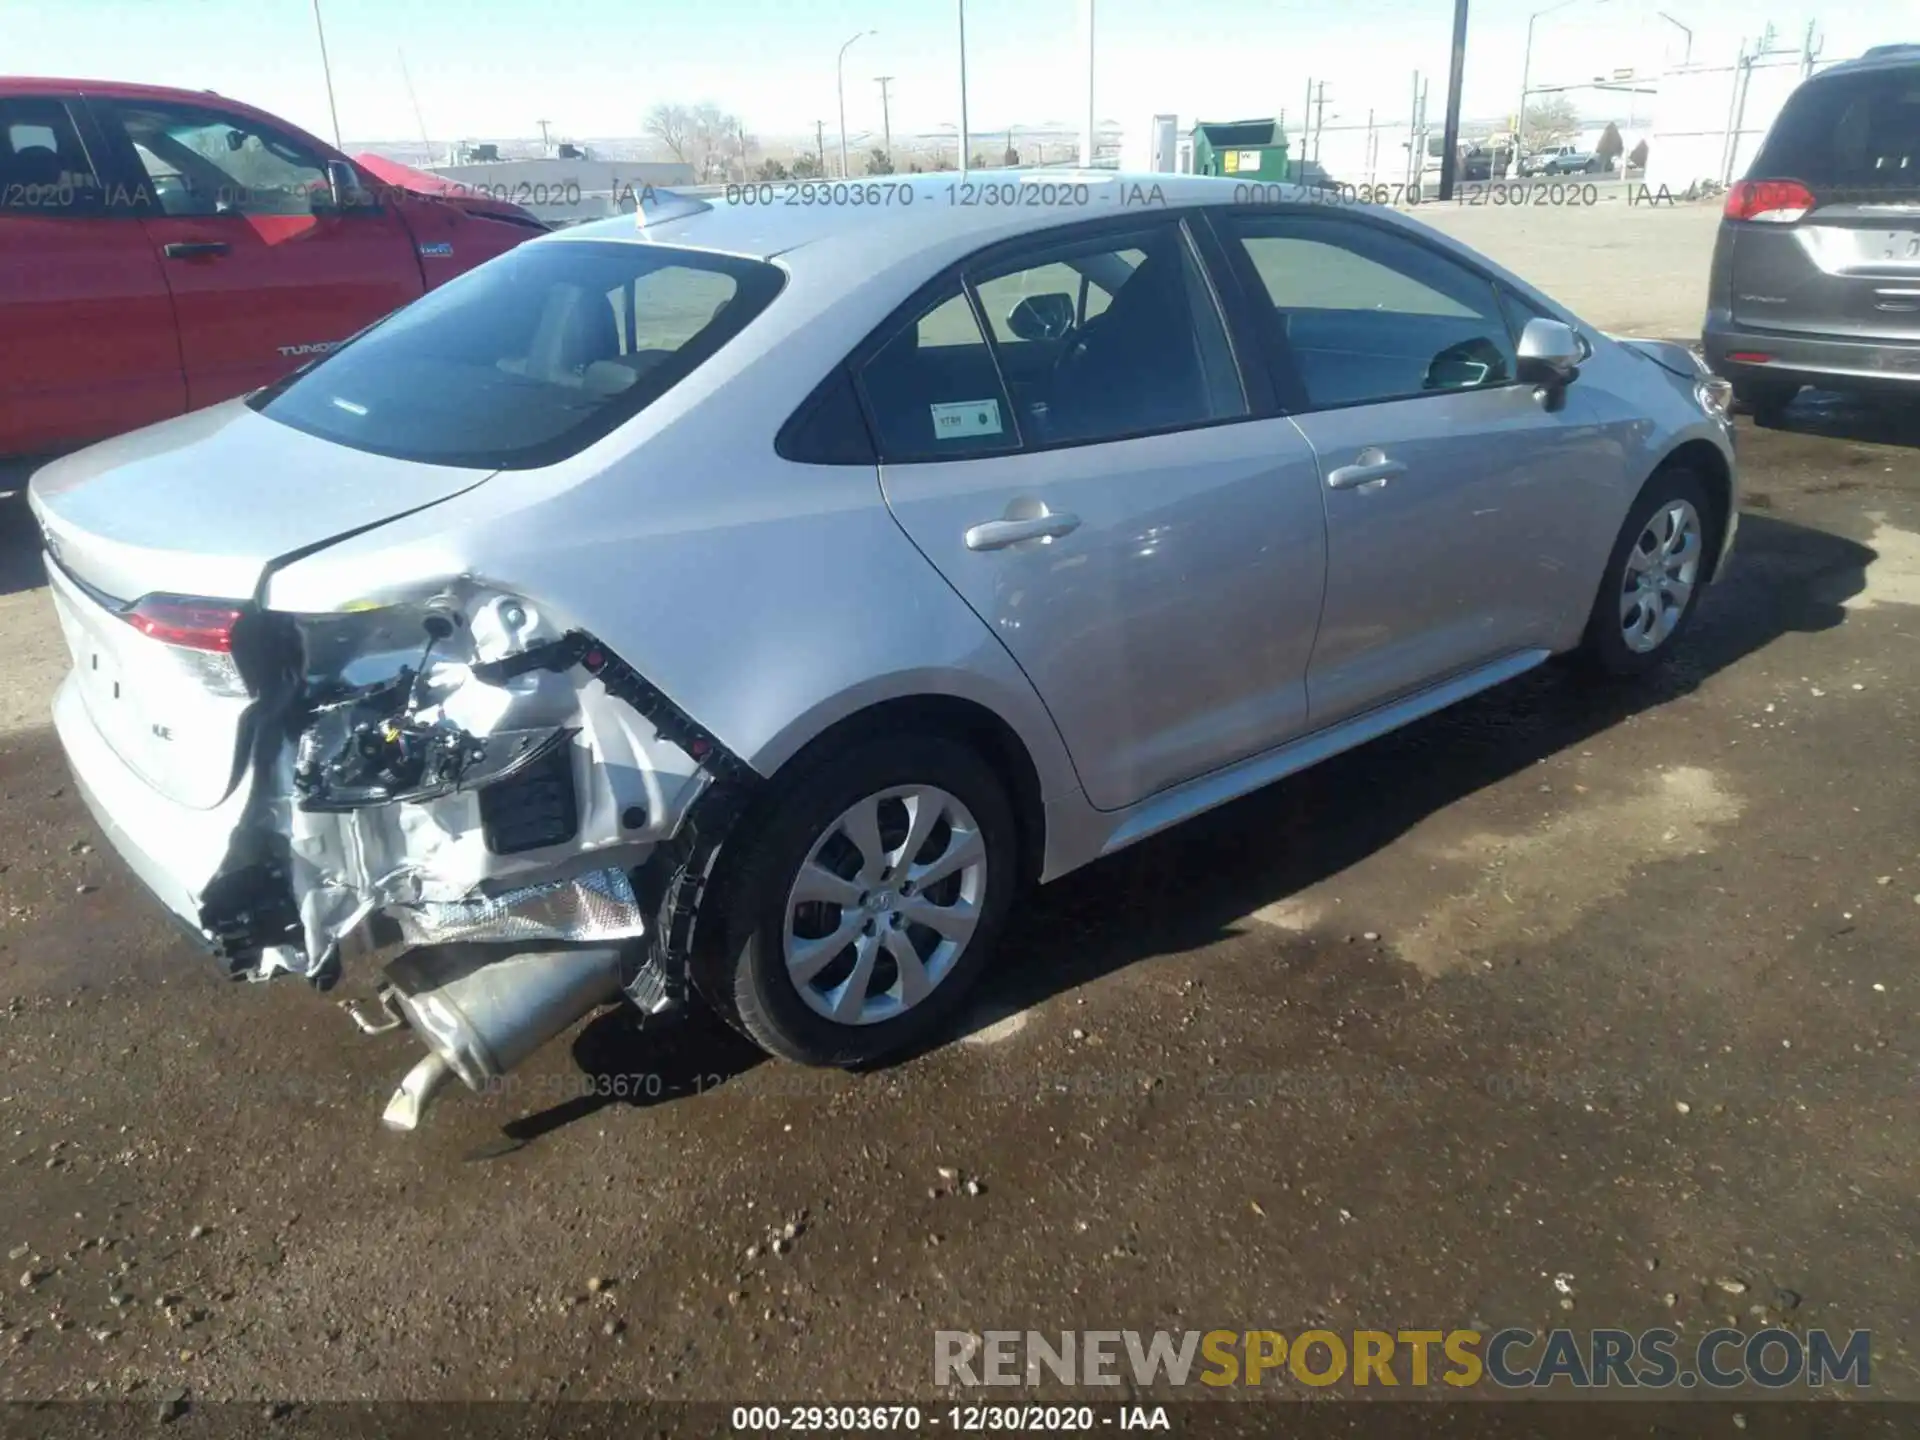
[{"x": 593, "y": 67}]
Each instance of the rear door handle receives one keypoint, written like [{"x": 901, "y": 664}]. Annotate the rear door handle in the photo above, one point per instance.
[
  {"x": 1371, "y": 469},
  {"x": 187, "y": 249},
  {"x": 998, "y": 534}
]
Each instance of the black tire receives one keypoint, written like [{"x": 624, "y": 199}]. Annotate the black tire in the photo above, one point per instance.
[
  {"x": 744, "y": 973},
  {"x": 1604, "y": 649},
  {"x": 1764, "y": 400}
]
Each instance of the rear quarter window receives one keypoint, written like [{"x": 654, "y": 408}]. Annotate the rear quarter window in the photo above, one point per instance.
[{"x": 529, "y": 358}]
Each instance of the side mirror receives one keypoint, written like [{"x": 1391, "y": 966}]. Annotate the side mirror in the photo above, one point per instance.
[
  {"x": 1041, "y": 317},
  {"x": 1550, "y": 353}
]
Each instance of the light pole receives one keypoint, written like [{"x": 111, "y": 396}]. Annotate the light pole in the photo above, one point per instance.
[
  {"x": 963, "y": 85},
  {"x": 1086, "y": 135},
  {"x": 1688, "y": 57},
  {"x": 1526, "y": 66},
  {"x": 840, "y": 83},
  {"x": 327, "y": 70}
]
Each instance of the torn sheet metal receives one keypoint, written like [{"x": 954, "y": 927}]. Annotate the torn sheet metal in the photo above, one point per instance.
[{"x": 599, "y": 905}]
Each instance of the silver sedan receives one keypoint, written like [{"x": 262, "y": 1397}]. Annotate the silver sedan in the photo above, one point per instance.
[{"x": 743, "y": 602}]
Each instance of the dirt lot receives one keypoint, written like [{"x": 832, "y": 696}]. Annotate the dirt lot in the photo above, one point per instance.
[{"x": 1569, "y": 1007}]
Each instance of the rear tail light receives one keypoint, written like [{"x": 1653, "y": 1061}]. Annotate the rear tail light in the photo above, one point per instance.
[
  {"x": 1774, "y": 202},
  {"x": 198, "y": 635},
  {"x": 184, "y": 622}
]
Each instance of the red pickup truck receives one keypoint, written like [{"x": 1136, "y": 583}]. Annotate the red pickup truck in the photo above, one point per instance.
[{"x": 161, "y": 250}]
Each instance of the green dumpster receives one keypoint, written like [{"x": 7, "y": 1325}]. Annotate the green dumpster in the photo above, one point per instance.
[{"x": 1243, "y": 149}]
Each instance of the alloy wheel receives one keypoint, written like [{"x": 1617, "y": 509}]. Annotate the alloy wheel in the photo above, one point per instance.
[
  {"x": 1657, "y": 582},
  {"x": 884, "y": 904}
]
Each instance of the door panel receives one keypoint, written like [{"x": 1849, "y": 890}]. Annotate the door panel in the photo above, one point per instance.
[
  {"x": 1457, "y": 501},
  {"x": 1474, "y": 550},
  {"x": 1168, "y": 632},
  {"x": 263, "y": 273},
  {"x": 1097, "y": 491},
  {"x": 90, "y": 347}
]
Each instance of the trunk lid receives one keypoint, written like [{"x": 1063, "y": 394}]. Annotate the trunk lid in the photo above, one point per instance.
[
  {"x": 1850, "y": 267},
  {"x": 204, "y": 504},
  {"x": 200, "y": 507}
]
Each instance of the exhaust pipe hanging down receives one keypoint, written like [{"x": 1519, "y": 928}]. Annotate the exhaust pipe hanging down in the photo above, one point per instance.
[{"x": 481, "y": 1012}]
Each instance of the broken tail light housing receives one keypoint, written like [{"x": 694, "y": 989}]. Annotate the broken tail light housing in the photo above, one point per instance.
[
  {"x": 184, "y": 622},
  {"x": 1772, "y": 202},
  {"x": 198, "y": 635}
]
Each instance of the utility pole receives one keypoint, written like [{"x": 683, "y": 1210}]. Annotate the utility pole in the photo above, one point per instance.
[
  {"x": 543, "y": 135},
  {"x": 886, "y": 113},
  {"x": 1306, "y": 120},
  {"x": 820, "y": 144},
  {"x": 1087, "y": 144},
  {"x": 1450, "y": 155},
  {"x": 963, "y": 85},
  {"x": 327, "y": 71},
  {"x": 1319, "y": 119}
]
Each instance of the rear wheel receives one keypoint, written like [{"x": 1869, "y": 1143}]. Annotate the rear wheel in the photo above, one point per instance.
[
  {"x": 1653, "y": 576},
  {"x": 866, "y": 901}
]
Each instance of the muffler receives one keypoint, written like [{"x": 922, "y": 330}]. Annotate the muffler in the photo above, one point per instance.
[{"x": 481, "y": 1012}]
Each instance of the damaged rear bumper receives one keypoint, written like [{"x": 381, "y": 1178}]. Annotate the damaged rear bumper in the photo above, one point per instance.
[{"x": 500, "y": 797}]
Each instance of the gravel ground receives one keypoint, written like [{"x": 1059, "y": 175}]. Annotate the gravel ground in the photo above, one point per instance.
[
  {"x": 1571, "y": 1006},
  {"x": 1608, "y": 985}
]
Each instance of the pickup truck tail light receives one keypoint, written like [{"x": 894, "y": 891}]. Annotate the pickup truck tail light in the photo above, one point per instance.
[{"x": 1773, "y": 202}]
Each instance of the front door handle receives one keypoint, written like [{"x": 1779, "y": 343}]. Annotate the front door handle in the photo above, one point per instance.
[
  {"x": 187, "y": 249},
  {"x": 1371, "y": 469},
  {"x": 998, "y": 534}
]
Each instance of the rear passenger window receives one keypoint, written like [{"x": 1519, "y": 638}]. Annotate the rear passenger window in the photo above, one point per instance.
[
  {"x": 1362, "y": 315},
  {"x": 934, "y": 391},
  {"x": 44, "y": 169}
]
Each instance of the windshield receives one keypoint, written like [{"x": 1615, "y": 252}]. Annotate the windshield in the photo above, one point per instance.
[
  {"x": 529, "y": 358},
  {"x": 1850, "y": 133}
]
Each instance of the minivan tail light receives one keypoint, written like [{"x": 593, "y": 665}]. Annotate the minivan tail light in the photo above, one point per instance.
[
  {"x": 184, "y": 622},
  {"x": 1774, "y": 202}
]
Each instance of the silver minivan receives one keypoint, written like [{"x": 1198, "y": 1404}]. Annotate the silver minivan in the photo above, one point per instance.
[
  {"x": 746, "y": 602},
  {"x": 1816, "y": 270}
]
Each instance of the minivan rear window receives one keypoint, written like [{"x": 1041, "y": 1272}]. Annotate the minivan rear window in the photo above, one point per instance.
[
  {"x": 1849, "y": 133},
  {"x": 529, "y": 358}
]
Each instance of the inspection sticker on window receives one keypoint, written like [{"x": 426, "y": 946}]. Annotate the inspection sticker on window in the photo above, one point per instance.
[{"x": 965, "y": 419}]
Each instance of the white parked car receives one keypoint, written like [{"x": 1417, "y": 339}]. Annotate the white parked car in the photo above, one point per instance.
[{"x": 746, "y": 603}]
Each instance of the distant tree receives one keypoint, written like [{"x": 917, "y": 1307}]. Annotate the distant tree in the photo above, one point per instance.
[
  {"x": 914, "y": 168},
  {"x": 771, "y": 169},
  {"x": 1012, "y": 157},
  {"x": 979, "y": 161},
  {"x": 1638, "y": 158},
  {"x": 1610, "y": 144},
  {"x": 879, "y": 162},
  {"x": 1549, "y": 122},
  {"x": 672, "y": 126},
  {"x": 807, "y": 167}
]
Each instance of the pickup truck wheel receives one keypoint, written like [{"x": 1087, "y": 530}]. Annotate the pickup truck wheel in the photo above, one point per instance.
[
  {"x": 1651, "y": 585},
  {"x": 866, "y": 902}
]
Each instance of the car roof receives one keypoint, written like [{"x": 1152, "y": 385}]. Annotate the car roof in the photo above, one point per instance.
[
  {"x": 895, "y": 212},
  {"x": 60, "y": 88},
  {"x": 1879, "y": 58}
]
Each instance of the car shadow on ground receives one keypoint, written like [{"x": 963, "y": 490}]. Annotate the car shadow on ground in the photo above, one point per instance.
[
  {"x": 1195, "y": 884},
  {"x": 1869, "y": 419},
  {"x": 20, "y": 563}
]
